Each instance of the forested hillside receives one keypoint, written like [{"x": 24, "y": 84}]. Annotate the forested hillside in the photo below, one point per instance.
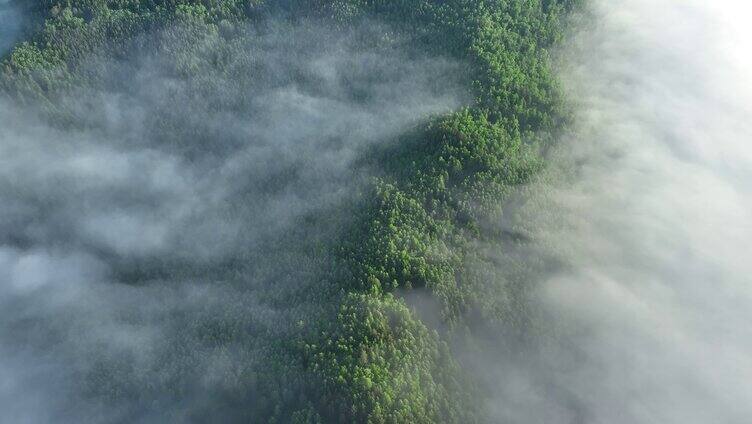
[{"x": 285, "y": 211}]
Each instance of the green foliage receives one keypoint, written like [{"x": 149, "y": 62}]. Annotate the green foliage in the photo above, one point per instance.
[
  {"x": 357, "y": 353},
  {"x": 379, "y": 364}
]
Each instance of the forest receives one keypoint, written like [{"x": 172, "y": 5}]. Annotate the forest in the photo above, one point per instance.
[{"x": 272, "y": 211}]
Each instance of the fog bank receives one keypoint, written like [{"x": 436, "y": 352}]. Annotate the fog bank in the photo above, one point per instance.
[{"x": 650, "y": 213}]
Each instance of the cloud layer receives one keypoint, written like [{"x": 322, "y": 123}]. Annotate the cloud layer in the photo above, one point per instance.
[{"x": 651, "y": 219}]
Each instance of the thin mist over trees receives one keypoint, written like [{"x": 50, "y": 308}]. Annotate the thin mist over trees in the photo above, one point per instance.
[
  {"x": 387, "y": 212},
  {"x": 390, "y": 212},
  {"x": 216, "y": 210}
]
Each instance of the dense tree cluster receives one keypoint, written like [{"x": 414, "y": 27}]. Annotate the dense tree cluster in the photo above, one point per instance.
[{"x": 350, "y": 348}]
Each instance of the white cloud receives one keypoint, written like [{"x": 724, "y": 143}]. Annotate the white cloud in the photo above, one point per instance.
[{"x": 656, "y": 295}]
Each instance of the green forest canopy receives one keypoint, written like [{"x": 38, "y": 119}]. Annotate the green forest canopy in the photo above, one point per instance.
[{"x": 351, "y": 348}]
